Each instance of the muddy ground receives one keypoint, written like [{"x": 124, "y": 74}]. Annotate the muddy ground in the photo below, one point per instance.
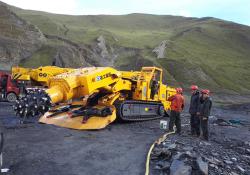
[
  {"x": 49, "y": 150},
  {"x": 119, "y": 149}
]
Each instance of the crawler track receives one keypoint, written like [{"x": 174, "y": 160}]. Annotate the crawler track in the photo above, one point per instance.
[{"x": 131, "y": 110}]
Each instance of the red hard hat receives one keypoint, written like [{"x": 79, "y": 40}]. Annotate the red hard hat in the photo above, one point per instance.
[
  {"x": 179, "y": 90},
  {"x": 205, "y": 91},
  {"x": 194, "y": 87}
]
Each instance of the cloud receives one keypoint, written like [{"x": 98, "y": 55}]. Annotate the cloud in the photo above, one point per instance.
[
  {"x": 53, "y": 6},
  {"x": 184, "y": 13},
  {"x": 233, "y": 10}
]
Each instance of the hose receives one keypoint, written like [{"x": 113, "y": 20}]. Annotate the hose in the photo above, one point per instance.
[
  {"x": 1, "y": 142},
  {"x": 158, "y": 141},
  {"x": 1, "y": 150}
]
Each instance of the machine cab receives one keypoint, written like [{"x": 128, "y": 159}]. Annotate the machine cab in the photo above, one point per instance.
[
  {"x": 148, "y": 84},
  {"x": 151, "y": 73}
]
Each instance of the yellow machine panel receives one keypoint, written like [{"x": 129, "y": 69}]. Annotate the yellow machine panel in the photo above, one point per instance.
[
  {"x": 39, "y": 75},
  {"x": 64, "y": 120}
]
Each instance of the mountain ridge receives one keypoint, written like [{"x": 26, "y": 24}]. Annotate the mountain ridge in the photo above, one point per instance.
[{"x": 207, "y": 51}]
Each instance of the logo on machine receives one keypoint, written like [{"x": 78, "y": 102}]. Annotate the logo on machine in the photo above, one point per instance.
[
  {"x": 42, "y": 75},
  {"x": 101, "y": 77}
]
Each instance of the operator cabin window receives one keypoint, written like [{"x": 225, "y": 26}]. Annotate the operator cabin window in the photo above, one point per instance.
[
  {"x": 157, "y": 75},
  {"x": 154, "y": 83}
]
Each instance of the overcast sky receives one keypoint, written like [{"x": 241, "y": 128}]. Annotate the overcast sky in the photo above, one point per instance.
[{"x": 232, "y": 10}]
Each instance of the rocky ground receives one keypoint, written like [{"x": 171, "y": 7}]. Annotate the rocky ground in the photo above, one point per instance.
[
  {"x": 122, "y": 147},
  {"x": 227, "y": 152}
]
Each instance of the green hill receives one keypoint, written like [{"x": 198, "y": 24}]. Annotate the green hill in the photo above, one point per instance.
[{"x": 207, "y": 51}]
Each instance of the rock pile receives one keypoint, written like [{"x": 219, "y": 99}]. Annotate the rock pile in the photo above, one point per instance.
[
  {"x": 190, "y": 155},
  {"x": 175, "y": 158}
]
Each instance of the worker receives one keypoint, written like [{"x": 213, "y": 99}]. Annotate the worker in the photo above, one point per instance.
[
  {"x": 204, "y": 112},
  {"x": 194, "y": 111},
  {"x": 154, "y": 86},
  {"x": 177, "y": 105}
]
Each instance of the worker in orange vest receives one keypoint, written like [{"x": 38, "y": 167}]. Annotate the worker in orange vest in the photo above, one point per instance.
[{"x": 177, "y": 105}]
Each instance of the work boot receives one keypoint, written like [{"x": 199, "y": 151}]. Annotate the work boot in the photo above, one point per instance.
[
  {"x": 178, "y": 132},
  {"x": 192, "y": 133},
  {"x": 170, "y": 130},
  {"x": 206, "y": 138},
  {"x": 182, "y": 133}
]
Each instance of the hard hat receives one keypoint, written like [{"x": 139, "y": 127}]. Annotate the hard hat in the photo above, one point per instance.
[
  {"x": 179, "y": 90},
  {"x": 205, "y": 91},
  {"x": 194, "y": 87}
]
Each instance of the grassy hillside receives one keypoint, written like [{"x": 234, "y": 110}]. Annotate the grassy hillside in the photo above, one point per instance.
[{"x": 207, "y": 51}]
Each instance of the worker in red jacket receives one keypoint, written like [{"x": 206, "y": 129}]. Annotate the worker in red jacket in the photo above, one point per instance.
[{"x": 177, "y": 105}]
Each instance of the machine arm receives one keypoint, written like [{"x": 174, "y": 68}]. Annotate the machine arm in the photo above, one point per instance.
[{"x": 74, "y": 84}]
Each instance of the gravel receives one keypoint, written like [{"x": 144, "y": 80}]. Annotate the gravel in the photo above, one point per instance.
[{"x": 121, "y": 148}]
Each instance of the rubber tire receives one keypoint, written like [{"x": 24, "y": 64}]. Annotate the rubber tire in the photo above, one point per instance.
[{"x": 11, "y": 97}]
